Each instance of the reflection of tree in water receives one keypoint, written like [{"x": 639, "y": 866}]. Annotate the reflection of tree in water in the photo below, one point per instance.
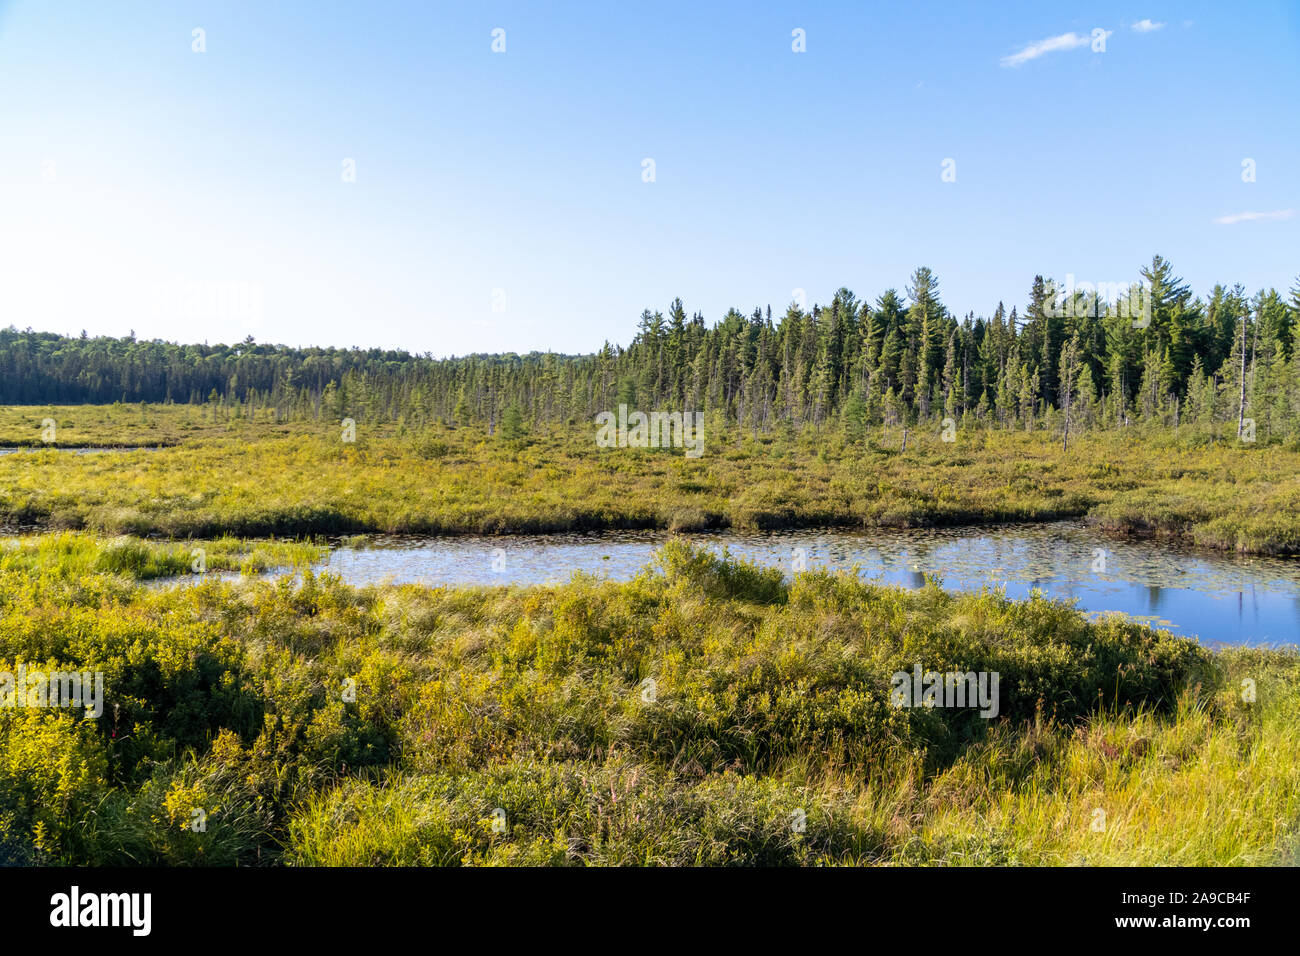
[{"x": 1155, "y": 597}]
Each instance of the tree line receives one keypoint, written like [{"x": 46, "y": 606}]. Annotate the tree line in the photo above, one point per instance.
[{"x": 1150, "y": 352}]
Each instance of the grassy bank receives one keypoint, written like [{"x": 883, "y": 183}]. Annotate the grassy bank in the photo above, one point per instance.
[
  {"x": 706, "y": 712},
  {"x": 72, "y": 555},
  {"x": 260, "y": 479}
]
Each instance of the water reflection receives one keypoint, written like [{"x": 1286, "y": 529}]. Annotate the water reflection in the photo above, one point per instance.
[{"x": 1224, "y": 598}]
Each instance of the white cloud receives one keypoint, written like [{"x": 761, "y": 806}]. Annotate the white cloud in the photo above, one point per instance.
[
  {"x": 1237, "y": 217},
  {"x": 1066, "y": 41},
  {"x": 1146, "y": 26}
]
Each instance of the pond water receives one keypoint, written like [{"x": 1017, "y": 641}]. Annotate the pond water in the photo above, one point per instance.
[{"x": 1219, "y": 598}]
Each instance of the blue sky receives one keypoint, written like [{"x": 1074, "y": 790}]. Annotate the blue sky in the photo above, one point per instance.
[{"x": 499, "y": 201}]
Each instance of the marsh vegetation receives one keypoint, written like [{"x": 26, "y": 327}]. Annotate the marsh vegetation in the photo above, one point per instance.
[
  {"x": 303, "y": 720},
  {"x": 230, "y": 702},
  {"x": 256, "y": 478}
]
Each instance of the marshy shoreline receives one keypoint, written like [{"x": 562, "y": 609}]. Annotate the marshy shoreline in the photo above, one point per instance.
[
  {"x": 685, "y": 716},
  {"x": 261, "y": 479}
]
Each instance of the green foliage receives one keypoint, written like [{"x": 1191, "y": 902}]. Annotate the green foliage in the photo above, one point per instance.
[
  {"x": 690, "y": 716},
  {"x": 1149, "y": 351},
  {"x": 512, "y": 423},
  {"x": 257, "y": 479},
  {"x": 69, "y": 555}
]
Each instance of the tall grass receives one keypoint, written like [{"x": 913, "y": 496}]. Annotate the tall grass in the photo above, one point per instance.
[
  {"x": 73, "y": 554},
  {"x": 255, "y": 479},
  {"x": 706, "y": 712}
]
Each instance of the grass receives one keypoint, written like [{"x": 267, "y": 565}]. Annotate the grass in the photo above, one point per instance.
[
  {"x": 706, "y": 712},
  {"x": 258, "y": 478},
  {"x": 71, "y": 555}
]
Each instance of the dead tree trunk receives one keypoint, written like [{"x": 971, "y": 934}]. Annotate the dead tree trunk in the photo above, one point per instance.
[{"x": 1241, "y": 405}]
